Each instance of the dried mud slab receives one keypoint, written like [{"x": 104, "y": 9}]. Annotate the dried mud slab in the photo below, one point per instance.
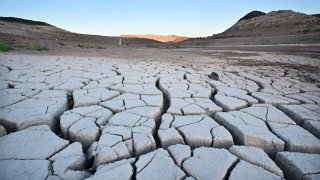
[
  {"x": 36, "y": 152},
  {"x": 41, "y": 109},
  {"x": 107, "y": 118}
]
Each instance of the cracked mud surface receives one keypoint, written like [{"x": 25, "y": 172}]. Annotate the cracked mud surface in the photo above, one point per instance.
[{"x": 106, "y": 118}]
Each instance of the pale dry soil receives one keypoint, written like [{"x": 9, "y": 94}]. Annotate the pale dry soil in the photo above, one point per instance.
[{"x": 159, "y": 114}]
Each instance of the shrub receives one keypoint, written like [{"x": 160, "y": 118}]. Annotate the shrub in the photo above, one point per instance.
[
  {"x": 5, "y": 47},
  {"x": 37, "y": 47},
  {"x": 101, "y": 47},
  {"x": 19, "y": 46},
  {"x": 87, "y": 46},
  {"x": 152, "y": 46}
]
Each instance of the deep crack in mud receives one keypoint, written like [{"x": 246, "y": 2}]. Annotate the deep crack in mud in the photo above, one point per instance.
[{"x": 132, "y": 119}]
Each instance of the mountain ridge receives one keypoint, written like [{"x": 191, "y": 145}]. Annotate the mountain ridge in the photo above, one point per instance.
[
  {"x": 274, "y": 23},
  {"x": 23, "y": 31},
  {"x": 275, "y": 27},
  {"x": 161, "y": 38},
  {"x": 251, "y": 15},
  {"x": 23, "y": 21},
  {"x": 256, "y": 27}
]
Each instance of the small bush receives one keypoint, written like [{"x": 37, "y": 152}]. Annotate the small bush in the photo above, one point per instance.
[
  {"x": 86, "y": 46},
  {"x": 61, "y": 44},
  {"x": 37, "y": 47},
  {"x": 174, "y": 47},
  {"x": 19, "y": 46},
  {"x": 101, "y": 47},
  {"x": 5, "y": 47},
  {"x": 304, "y": 31},
  {"x": 152, "y": 46}
]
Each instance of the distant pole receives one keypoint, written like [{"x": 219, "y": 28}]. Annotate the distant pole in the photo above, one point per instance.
[{"x": 120, "y": 43}]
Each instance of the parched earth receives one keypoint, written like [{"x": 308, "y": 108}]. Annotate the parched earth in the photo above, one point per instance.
[{"x": 66, "y": 117}]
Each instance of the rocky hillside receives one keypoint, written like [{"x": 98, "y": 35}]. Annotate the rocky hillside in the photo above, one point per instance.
[
  {"x": 161, "y": 38},
  {"x": 18, "y": 26},
  {"x": 316, "y": 15},
  {"x": 252, "y": 14},
  {"x": 23, "y": 21},
  {"x": 284, "y": 22},
  {"x": 19, "y": 31}
]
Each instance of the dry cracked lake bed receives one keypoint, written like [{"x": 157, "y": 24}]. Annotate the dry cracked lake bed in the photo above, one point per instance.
[{"x": 69, "y": 117}]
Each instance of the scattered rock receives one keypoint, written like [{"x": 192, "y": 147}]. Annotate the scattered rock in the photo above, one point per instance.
[{"x": 214, "y": 76}]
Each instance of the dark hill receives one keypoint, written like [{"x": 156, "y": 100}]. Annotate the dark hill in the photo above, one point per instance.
[
  {"x": 316, "y": 15},
  {"x": 23, "y": 21},
  {"x": 17, "y": 31},
  {"x": 251, "y": 15},
  {"x": 284, "y": 22},
  {"x": 276, "y": 27}
]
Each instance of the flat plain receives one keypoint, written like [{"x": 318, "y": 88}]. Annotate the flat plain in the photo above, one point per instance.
[{"x": 144, "y": 113}]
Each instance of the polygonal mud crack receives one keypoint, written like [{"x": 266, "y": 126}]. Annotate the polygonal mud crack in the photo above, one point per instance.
[
  {"x": 83, "y": 124},
  {"x": 188, "y": 99},
  {"x": 255, "y": 126},
  {"x": 39, "y": 154},
  {"x": 127, "y": 134},
  {"x": 41, "y": 109},
  {"x": 151, "y": 120},
  {"x": 194, "y": 130},
  {"x": 299, "y": 165},
  {"x": 179, "y": 162},
  {"x": 92, "y": 96}
]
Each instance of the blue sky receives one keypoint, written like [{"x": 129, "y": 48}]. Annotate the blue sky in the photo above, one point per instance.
[{"x": 114, "y": 17}]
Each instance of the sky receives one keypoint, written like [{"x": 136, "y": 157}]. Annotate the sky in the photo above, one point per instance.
[{"x": 193, "y": 18}]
